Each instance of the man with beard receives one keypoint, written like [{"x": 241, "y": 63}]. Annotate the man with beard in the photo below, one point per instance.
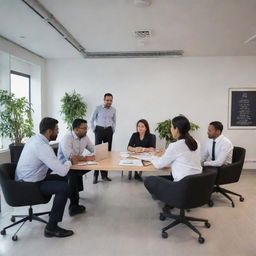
[
  {"x": 35, "y": 161},
  {"x": 73, "y": 144},
  {"x": 103, "y": 124}
]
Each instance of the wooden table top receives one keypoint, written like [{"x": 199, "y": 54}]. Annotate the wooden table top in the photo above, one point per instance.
[{"x": 112, "y": 164}]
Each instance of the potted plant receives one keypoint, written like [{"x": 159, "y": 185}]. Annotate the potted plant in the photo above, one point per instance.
[
  {"x": 72, "y": 107},
  {"x": 15, "y": 121},
  {"x": 163, "y": 128}
]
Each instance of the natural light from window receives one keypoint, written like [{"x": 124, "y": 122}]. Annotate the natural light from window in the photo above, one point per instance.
[{"x": 20, "y": 84}]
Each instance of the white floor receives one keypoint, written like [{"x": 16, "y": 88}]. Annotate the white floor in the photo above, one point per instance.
[{"x": 122, "y": 219}]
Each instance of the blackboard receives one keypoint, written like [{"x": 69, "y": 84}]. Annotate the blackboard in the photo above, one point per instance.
[{"x": 242, "y": 108}]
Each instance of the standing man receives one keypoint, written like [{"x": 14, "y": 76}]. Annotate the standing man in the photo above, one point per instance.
[
  {"x": 73, "y": 144},
  {"x": 219, "y": 149},
  {"x": 103, "y": 123},
  {"x": 36, "y": 159}
]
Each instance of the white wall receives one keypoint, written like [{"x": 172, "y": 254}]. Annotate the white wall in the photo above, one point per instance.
[{"x": 155, "y": 89}]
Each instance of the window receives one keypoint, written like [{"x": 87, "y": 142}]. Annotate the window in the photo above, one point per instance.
[{"x": 20, "y": 85}]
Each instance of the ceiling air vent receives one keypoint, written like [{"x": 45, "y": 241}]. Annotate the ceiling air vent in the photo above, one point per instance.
[{"x": 142, "y": 34}]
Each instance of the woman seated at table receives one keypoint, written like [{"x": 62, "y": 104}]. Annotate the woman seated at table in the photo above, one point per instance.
[
  {"x": 183, "y": 156},
  {"x": 142, "y": 141}
]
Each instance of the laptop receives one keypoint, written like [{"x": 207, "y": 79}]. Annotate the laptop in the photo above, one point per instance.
[{"x": 101, "y": 152}]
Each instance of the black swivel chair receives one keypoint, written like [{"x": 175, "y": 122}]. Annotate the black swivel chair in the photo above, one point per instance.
[
  {"x": 190, "y": 192},
  {"x": 18, "y": 193},
  {"x": 227, "y": 174}
]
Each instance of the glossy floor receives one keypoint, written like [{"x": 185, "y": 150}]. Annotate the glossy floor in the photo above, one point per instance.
[{"x": 122, "y": 219}]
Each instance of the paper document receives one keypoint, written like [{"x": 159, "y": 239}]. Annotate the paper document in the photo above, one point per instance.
[
  {"x": 145, "y": 157},
  {"x": 87, "y": 163},
  {"x": 131, "y": 162}
]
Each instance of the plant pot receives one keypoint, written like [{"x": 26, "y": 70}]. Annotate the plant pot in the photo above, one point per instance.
[{"x": 15, "y": 151}]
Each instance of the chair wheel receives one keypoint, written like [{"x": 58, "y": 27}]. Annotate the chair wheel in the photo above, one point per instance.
[
  {"x": 241, "y": 199},
  {"x": 207, "y": 224},
  {"x": 162, "y": 217},
  {"x": 164, "y": 234},
  {"x": 12, "y": 219},
  {"x": 210, "y": 203},
  {"x": 201, "y": 240},
  {"x": 3, "y": 232},
  {"x": 233, "y": 205},
  {"x": 14, "y": 238}
]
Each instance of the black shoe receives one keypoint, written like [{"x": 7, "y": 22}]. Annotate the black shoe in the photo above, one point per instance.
[
  {"x": 106, "y": 179},
  {"x": 138, "y": 177},
  {"x": 57, "y": 232},
  {"x": 76, "y": 209},
  {"x": 95, "y": 180},
  {"x": 167, "y": 208}
]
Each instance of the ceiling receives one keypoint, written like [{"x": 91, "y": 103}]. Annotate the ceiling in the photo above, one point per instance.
[{"x": 199, "y": 27}]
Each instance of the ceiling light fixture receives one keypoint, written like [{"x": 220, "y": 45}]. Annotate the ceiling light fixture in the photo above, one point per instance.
[{"x": 142, "y": 3}]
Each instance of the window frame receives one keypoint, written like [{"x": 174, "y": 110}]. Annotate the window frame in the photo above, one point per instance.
[{"x": 24, "y": 75}]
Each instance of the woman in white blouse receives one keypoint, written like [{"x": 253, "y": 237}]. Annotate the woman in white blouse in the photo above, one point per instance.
[{"x": 183, "y": 156}]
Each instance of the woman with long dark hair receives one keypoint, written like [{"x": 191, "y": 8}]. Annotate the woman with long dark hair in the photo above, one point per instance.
[
  {"x": 183, "y": 156},
  {"x": 142, "y": 141}
]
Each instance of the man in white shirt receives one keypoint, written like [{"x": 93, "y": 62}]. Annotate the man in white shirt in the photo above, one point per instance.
[
  {"x": 36, "y": 159},
  {"x": 73, "y": 144},
  {"x": 219, "y": 149}
]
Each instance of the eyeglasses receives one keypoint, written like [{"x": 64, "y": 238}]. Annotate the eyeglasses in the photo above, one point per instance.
[{"x": 83, "y": 128}]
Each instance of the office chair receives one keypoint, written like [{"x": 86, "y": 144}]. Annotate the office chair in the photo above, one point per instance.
[
  {"x": 18, "y": 193},
  {"x": 227, "y": 174},
  {"x": 190, "y": 192}
]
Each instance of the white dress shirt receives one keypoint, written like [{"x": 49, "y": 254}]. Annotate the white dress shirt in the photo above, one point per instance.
[
  {"x": 223, "y": 152},
  {"x": 182, "y": 160},
  {"x": 103, "y": 117},
  {"x": 36, "y": 158},
  {"x": 71, "y": 145}
]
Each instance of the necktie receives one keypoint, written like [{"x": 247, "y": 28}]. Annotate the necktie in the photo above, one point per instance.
[{"x": 213, "y": 150}]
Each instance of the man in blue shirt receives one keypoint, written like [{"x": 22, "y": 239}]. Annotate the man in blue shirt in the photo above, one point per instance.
[
  {"x": 73, "y": 144},
  {"x": 36, "y": 159},
  {"x": 103, "y": 123}
]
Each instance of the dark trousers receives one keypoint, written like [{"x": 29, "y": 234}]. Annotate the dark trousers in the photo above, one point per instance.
[
  {"x": 158, "y": 187},
  {"x": 55, "y": 185},
  {"x": 75, "y": 182},
  {"x": 103, "y": 135}
]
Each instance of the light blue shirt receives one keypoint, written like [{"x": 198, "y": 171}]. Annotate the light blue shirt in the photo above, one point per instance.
[
  {"x": 71, "y": 145},
  {"x": 36, "y": 158},
  {"x": 104, "y": 117}
]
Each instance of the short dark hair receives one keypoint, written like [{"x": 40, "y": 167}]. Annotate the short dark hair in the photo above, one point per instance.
[
  {"x": 217, "y": 125},
  {"x": 108, "y": 94},
  {"x": 77, "y": 122},
  {"x": 145, "y": 122},
  {"x": 47, "y": 123}
]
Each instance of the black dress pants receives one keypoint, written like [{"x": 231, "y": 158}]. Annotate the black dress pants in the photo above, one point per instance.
[
  {"x": 103, "y": 135},
  {"x": 159, "y": 186},
  {"x": 75, "y": 182},
  {"x": 55, "y": 185}
]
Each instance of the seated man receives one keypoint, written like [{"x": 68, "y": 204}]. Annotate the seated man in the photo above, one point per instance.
[
  {"x": 35, "y": 160},
  {"x": 219, "y": 149},
  {"x": 73, "y": 144}
]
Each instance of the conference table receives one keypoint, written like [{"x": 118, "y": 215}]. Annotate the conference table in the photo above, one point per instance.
[{"x": 111, "y": 163}]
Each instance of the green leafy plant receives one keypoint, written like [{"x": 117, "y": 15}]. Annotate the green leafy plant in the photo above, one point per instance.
[
  {"x": 72, "y": 107},
  {"x": 164, "y": 130},
  {"x": 16, "y": 120}
]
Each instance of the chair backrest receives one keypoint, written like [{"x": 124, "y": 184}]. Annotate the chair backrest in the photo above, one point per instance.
[
  {"x": 18, "y": 193},
  {"x": 193, "y": 190},
  {"x": 231, "y": 173}
]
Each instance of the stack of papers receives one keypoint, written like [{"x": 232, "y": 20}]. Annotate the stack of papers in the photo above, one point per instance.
[
  {"x": 87, "y": 163},
  {"x": 131, "y": 162}
]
